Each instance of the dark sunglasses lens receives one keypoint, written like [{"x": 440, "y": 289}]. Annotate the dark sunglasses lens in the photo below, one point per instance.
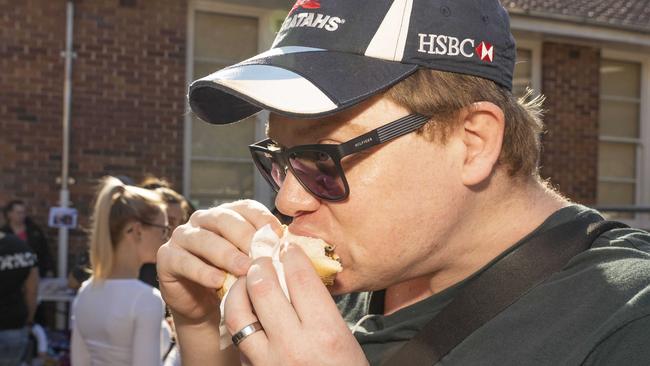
[
  {"x": 269, "y": 168},
  {"x": 318, "y": 172}
]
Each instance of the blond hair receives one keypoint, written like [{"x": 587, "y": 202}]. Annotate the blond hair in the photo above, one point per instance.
[
  {"x": 117, "y": 205},
  {"x": 443, "y": 95}
]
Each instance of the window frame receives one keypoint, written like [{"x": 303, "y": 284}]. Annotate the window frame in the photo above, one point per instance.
[{"x": 535, "y": 48}]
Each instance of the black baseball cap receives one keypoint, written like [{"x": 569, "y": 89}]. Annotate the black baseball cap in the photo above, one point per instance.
[{"x": 332, "y": 54}]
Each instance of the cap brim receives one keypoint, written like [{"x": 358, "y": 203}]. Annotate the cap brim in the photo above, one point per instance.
[{"x": 299, "y": 82}]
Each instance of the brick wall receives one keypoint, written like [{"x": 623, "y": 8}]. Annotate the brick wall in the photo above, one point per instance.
[
  {"x": 128, "y": 98},
  {"x": 571, "y": 85}
]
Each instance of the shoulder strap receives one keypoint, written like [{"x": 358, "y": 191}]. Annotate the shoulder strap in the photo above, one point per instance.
[{"x": 498, "y": 287}]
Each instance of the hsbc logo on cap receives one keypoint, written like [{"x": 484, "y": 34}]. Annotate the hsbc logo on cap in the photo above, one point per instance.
[
  {"x": 435, "y": 44},
  {"x": 485, "y": 51}
]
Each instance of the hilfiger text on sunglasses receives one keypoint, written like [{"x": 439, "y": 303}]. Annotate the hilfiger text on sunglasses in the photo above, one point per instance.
[{"x": 363, "y": 142}]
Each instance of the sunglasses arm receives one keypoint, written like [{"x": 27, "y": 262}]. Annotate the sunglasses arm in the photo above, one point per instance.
[
  {"x": 360, "y": 143},
  {"x": 384, "y": 133}
]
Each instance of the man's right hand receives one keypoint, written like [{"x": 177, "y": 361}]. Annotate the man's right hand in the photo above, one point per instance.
[{"x": 193, "y": 263}]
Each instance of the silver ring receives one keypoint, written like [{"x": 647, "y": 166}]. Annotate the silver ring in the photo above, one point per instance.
[{"x": 238, "y": 337}]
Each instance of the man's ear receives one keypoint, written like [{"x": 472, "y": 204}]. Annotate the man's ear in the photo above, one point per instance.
[{"x": 483, "y": 129}]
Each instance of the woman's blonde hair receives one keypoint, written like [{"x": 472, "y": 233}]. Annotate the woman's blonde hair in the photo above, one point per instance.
[
  {"x": 117, "y": 205},
  {"x": 443, "y": 95}
]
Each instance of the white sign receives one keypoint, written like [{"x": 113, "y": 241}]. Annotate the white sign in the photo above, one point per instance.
[{"x": 63, "y": 217}]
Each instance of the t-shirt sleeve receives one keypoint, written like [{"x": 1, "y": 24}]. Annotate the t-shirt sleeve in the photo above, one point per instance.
[
  {"x": 629, "y": 345},
  {"x": 148, "y": 313}
]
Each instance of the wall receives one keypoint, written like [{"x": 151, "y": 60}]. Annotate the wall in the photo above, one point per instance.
[
  {"x": 128, "y": 98},
  {"x": 571, "y": 85}
]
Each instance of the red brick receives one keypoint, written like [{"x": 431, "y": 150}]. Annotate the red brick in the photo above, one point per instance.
[{"x": 571, "y": 85}]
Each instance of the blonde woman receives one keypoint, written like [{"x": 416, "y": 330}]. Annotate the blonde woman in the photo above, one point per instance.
[{"x": 117, "y": 319}]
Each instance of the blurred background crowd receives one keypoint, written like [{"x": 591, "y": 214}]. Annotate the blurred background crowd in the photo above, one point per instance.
[{"x": 27, "y": 324}]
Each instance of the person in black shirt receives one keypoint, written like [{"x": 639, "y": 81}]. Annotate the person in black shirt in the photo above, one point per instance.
[
  {"x": 23, "y": 227},
  {"x": 19, "y": 224},
  {"x": 18, "y": 290}
]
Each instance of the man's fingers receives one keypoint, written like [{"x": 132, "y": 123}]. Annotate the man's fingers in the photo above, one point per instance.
[
  {"x": 238, "y": 310},
  {"x": 222, "y": 235},
  {"x": 256, "y": 213},
  {"x": 251, "y": 212},
  {"x": 214, "y": 249},
  {"x": 238, "y": 313},
  {"x": 227, "y": 223},
  {"x": 271, "y": 305},
  {"x": 177, "y": 263},
  {"x": 309, "y": 297}
]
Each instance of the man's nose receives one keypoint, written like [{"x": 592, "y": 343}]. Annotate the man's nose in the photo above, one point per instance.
[{"x": 293, "y": 199}]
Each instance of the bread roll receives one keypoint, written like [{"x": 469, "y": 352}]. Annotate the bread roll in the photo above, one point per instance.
[
  {"x": 321, "y": 254},
  {"x": 227, "y": 284}
]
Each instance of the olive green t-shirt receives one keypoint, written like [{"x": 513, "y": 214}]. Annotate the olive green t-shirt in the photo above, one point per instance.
[{"x": 596, "y": 311}]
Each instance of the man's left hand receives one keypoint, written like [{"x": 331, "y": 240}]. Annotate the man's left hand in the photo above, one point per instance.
[{"x": 307, "y": 331}]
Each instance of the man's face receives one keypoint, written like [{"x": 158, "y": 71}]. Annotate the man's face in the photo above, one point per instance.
[
  {"x": 17, "y": 214},
  {"x": 404, "y": 197}
]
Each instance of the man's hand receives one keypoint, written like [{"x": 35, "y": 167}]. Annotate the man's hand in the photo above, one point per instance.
[
  {"x": 194, "y": 261},
  {"x": 307, "y": 331},
  {"x": 192, "y": 265}
]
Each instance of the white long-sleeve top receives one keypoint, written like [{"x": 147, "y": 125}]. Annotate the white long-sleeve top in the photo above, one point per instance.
[{"x": 117, "y": 322}]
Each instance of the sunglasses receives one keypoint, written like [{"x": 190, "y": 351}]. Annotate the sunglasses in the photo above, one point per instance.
[
  {"x": 166, "y": 230},
  {"x": 318, "y": 167}
]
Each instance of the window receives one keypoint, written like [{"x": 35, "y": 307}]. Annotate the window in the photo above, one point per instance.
[
  {"x": 620, "y": 146},
  {"x": 624, "y": 152},
  {"x": 218, "y": 167}
]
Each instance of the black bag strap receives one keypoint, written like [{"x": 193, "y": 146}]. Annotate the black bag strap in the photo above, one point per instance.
[{"x": 498, "y": 287}]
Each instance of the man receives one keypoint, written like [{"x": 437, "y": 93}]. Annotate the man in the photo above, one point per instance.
[
  {"x": 21, "y": 225},
  {"x": 394, "y": 137},
  {"x": 18, "y": 290}
]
